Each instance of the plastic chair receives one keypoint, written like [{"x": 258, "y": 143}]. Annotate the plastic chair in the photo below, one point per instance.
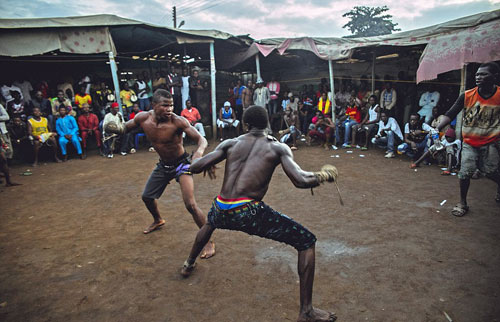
[{"x": 137, "y": 136}]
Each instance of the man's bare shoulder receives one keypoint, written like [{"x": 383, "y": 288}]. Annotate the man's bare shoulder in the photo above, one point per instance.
[
  {"x": 180, "y": 121},
  {"x": 143, "y": 116}
]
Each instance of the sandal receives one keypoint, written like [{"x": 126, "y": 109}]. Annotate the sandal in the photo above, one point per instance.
[
  {"x": 413, "y": 166},
  {"x": 460, "y": 210},
  {"x": 446, "y": 173}
]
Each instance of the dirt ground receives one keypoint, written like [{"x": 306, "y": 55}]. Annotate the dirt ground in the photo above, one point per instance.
[{"x": 72, "y": 248}]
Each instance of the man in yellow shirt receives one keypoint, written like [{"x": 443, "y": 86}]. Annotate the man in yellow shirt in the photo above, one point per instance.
[
  {"x": 39, "y": 129},
  {"x": 127, "y": 96}
]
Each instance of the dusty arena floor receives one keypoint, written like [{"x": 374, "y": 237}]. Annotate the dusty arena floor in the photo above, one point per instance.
[{"x": 72, "y": 247}]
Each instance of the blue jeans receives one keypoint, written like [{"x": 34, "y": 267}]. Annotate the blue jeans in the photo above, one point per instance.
[
  {"x": 386, "y": 142},
  {"x": 348, "y": 126},
  {"x": 421, "y": 148},
  {"x": 144, "y": 104}
]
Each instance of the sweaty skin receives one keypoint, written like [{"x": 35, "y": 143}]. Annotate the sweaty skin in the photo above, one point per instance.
[
  {"x": 250, "y": 162},
  {"x": 164, "y": 130}
]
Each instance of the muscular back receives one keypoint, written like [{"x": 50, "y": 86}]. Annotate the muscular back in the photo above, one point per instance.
[{"x": 250, "y": 164}]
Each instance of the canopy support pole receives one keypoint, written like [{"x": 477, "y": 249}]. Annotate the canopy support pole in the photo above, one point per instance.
[
  {"x": 257, "y": 65},
  {"x": 373, "y": 72},
  {"x": 332, "y": 89},
  {"x": 213, "y": 90},
  {"x": 463, "y": 85},
  {"x": 114, "y": 74}
]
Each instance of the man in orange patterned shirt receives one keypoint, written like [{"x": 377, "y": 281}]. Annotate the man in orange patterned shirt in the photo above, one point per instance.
[{"x": 480, "y": 131}]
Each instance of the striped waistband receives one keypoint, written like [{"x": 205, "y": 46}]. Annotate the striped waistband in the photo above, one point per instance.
[{"x": 231, "y": 204}]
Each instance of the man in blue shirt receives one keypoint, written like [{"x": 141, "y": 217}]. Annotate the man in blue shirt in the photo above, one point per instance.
[
  {"x": 67, "y": 129},
  {"x": 238, "y": 92}
]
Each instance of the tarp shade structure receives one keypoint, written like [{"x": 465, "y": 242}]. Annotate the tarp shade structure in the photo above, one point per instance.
[
  {"x": 344, "y": 48},
  {"x": 29, "y": 42}
]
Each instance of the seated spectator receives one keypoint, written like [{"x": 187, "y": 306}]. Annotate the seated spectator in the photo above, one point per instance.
[
  {"x": 89, "y": 126},
  {"x": 39, "y": 129},
  {"x": 18, "y": 107},
  {"x": 82, "y": 97},
  {"x": 352, "y": 117},
  {"x": 290, "y": 134},
  {"x": 7, "y": 90},
  {"x": 388, "y": 133},
  {"x": 67, "y": 129},
  {"x": 20, "y": 137},
  {"x": 322, "y": 129},
  {"x": 227, "y": 118},
  {"x": 428, "y": 101},
  {"x": 4, "y": 167},
  {"x": 44, "y": 105},
  {"x": 110, "y": 139},
  {"x": 369, "y": 124},
  {"x": 61, "y": 100},
  {"x": 103, "y": 96},
  {"x": 191, "y": 114},
  {"x": 306, "y": 113},
  {"x": 447, "y": 149},
  {"x": 436, "y": 119},
  {"x": 415, "y": 137}
]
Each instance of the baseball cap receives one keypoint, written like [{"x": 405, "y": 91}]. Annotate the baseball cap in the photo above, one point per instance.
[
  {"x": 114, "y": 104},
  {"x": 226, "y": 103}
]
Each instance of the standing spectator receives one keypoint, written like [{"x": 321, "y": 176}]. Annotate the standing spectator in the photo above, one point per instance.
[
  {"x": 103, "y": 96},
  {"x": 159, "y": 82},
  {"x": 369, "y": 124},
  {"x": 306, "y": 112},
  {"x": 149, "y": 82},
  {"x": 247, "y": 95},
  {"x": 81, "y": 98},
  {"x": 194, "y": 87},
  {"x": 388, "y": 98},
  {"x": 193, "y": 116},
  {"x": 7, "y": 90},
  {"x": 238, "y": 92},
  {"x": 4, "y": 167},
  {"x": 387, "y": 135},
  {"x": 89, "y": 126},
  {"x": 415, "y": 137},
  {"x": 67, "y": 129},
  {"x": 174, "y": 85},
  {"x": 109, "y": 138},
  {"x": 427, "y": 102},
  {"x": 274, "y": 90},
  {"x": 185, "y": 87},
  {"x": 227, "y": 118},
  {"x": 26, "y": 89},
  {"x": 261, "y": 95},
  {"x": 142, "y": 93},
  {"x": 18, "y": 107},
  {"x": 44, "y": 105},
  {"x": 39, "y": 128},
  {"x": 67, "y": 89},
  {"x": 19, "y": 137},
  {"x": 342, "y": 97},
  {"x": 205, "y": 103},
  {"x": 127, "y": 96},
  {"x": 480, "y": 131},
  {"x": 4, "y": 133}
]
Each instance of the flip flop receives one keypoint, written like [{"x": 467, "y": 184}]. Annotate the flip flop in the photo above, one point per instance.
[
  {"x": 459, "y": 210},
  {"x": 446, "y": 173},
  {"x": 413, "y": 166},
  {"x": 154, "y": 227}
]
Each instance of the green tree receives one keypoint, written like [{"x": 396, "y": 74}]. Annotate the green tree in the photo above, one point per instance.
[{"x": 369, "y": 21}]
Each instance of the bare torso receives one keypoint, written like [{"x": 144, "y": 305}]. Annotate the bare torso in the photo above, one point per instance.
[
  {"x": 166, "y": 136},
  {"x": 247, "y": 97}
]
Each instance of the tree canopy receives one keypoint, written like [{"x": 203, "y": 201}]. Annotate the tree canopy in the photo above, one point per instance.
[{"x": 369, "y": 21}]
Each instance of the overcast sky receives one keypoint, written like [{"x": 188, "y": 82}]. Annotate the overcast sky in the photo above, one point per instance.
[{"x": 259, "y": 18}]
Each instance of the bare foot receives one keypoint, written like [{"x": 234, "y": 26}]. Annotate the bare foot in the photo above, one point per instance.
[
  {"x": 317, "y": 315},
  {"x": 154, "y": 226},
  {"x": 58, "y": 160},
  {"x": 208, "y": 250},
  {"x": 12, "y": 184},
  {"x": 187, "y": 269}
]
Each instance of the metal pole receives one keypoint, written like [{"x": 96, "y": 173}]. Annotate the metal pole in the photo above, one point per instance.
[
  {"x": 174, "y": 16},
  {"x": 373, "y": 73},
  {"x": 332, "y": 88},
  {"x": 212, "y": 80},
  {"x": 257, "y": 65},
  {"x": 114, "y": 74}
]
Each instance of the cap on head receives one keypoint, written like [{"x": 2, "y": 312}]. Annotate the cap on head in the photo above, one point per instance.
[
  {"x": 114, "y": 104},
  {"x": 226, "y": 103},
  {"x": 290, "y": 94},
  {"x": 260, "y": 80}
]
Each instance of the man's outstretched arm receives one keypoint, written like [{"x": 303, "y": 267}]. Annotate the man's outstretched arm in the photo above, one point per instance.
[
  {"x": 212, "y": 158},
  {"x": 194, "y": 135},
  {"x": 300, "y": 178}
]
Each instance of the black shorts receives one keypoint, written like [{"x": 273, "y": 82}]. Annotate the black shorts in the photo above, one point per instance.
[
  {"x": 257, "y": 218},
  {"x": 163, "y": 174}
]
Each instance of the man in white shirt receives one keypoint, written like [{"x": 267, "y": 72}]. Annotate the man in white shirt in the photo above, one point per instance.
[
  {"x": 388, "y": 99},
  {"x": 7, "y": 89},
  {"x": 142, "y": 90},
  {"x": 185, "y": 87},
  {"x": 427, "y": 102},
  {"x": 388, "y": 133},
  {"x": 26, "y": 89},
  {"x": 261, "y": 95}
]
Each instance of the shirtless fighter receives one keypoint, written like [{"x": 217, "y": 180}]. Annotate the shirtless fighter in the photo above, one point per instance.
[
  {"x": 164, "y": 130},
  {"x": 250, "y": 162}
]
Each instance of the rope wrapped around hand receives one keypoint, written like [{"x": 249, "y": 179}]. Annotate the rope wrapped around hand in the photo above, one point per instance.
[
  {"x": 113, "y": 128},
  {"x": 329, "y": 173}
]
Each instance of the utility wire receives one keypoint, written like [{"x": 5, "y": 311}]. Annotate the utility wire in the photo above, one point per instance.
[{"x": 197, "y": 10}]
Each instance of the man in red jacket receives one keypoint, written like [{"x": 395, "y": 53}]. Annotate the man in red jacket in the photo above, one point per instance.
[{"x": 89, "y": 125}]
